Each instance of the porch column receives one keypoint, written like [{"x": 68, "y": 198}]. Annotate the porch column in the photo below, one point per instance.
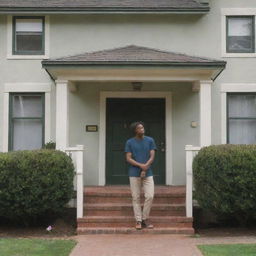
[
  {"x": 62, "y": 115},
  {"x": 205, "y": 113}
]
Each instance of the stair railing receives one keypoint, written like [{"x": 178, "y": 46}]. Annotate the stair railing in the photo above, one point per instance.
[
  {"x": 76, "y": 154},
  {"x": 191, "y": 152}
]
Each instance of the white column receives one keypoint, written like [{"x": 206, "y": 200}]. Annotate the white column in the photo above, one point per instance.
[
  {"x": 62, "y": 114},
  {"x": 189, "y": 180},
  {"x": 79, "y": 181},
  {"x": 205, "y": 113}
]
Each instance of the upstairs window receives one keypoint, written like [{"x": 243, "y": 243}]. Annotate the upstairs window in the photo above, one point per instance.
[
  {"x": 28, "y": 35},
  {"x": 240, "y": 34},
  {"x": 241, "y": 118}
]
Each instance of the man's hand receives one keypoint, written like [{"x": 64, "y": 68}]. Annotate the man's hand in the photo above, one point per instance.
[
  {"x": 144, "y": 167},
  {"x": 143, "y": 174}
]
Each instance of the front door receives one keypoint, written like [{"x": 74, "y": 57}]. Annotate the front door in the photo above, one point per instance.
[{"x": 120, "y": 114}]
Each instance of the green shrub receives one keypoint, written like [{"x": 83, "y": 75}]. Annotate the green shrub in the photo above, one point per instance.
[
  {"x": 34, "y": 183},
  {"x": 225, "y": 181},
  {"x": 50, "y": 145}
]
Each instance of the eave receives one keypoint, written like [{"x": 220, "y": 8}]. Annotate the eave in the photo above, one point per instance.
[{"x": 105, "y": 10}]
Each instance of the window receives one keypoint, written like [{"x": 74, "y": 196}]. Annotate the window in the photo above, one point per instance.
[
  {"x": 28, "y": 35},
  {"x": 241, "y": 118},
  {"x": 240, "y": 34},
  {"x": 26, "y": 121}
]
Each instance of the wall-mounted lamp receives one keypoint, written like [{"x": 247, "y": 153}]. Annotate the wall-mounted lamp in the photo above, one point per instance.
[{"x": 136, "y": 86}]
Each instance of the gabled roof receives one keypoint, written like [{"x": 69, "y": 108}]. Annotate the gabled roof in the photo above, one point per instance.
[
  {"x": 133, "y": 55},
  {"x": 98, "y": 6}
]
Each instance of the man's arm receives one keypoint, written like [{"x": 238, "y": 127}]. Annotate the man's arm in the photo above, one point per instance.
[
  {"x": 132, "y": 161},
  {"x": 147, "y": 165}
]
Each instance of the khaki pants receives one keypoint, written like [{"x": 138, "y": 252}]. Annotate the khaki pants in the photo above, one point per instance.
[{"x": 148, "y": 185}]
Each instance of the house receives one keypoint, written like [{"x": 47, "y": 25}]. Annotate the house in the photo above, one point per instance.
[{"x": 79, "y": 72}]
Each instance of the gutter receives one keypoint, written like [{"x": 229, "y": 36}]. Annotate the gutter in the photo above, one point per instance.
[
  {"x": 104, "y": 10},
  {"x": 47, "y": 63}
]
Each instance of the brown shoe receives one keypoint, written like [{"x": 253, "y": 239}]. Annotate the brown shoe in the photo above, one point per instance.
[
  {"x": 138, "y": 225},
  {"x": 146, "y": 224}
]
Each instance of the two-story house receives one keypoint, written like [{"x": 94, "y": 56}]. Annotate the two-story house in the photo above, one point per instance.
[{"x": 79, "y": 72}]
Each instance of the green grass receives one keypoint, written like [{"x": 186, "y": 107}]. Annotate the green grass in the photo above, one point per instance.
[
  {"x": 35, "y": 247},
  {"x": 228, "y": 250}
]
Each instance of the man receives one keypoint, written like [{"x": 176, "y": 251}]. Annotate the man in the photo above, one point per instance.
[{"x": 140, "y": 153}]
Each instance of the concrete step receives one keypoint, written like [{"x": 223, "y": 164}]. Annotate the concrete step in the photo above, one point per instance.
[
  {"x": 118, "y": 209},
  {"x": 184, "y": 231},
  {"x": 129, "y": 222}
]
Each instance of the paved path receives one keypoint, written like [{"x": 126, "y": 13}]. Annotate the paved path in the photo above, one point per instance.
[{"x": 147, "y": 245}]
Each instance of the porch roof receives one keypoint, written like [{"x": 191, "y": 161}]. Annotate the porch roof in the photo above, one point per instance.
[
  {"x": 105, "y": 6},
  {"x": 134, "y": 55},
  {"x": 136, "y": 59}
]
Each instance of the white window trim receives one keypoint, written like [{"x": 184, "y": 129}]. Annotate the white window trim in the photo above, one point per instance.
[
  {"x": 234, "y": 12},
  {"x": 102, "y": 131},
  {"x": 229, "y": 88},
  {"x": 21, "y": 88},
  {"x": 10, "y": 55}
]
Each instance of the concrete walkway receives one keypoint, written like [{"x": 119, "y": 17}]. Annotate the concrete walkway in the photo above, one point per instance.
[{"x": 147, "y": 245}]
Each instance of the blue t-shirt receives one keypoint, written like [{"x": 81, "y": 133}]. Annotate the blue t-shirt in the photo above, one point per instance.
[{"x": 140, "y": 149}]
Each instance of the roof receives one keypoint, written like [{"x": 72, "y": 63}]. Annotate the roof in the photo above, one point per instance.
[
  {"x": 134, "y": 55},
  {"x": 80, "y": 6}
]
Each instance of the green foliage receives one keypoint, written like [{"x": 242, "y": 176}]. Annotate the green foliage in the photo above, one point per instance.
[
  {"x": 228, "y": 249},
  {"x": 225, "y": 180},
  {"x": 34, "y": 183},
  {"x": 50, "y": 145},
  {"x": 36, "y": 247}
]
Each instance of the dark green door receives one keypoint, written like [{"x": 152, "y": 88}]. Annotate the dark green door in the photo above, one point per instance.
[{"x": 120, "y": 114}]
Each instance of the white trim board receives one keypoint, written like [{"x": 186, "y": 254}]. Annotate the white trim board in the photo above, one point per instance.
[
  {"x": 226, "y": 88},
  {"x": 26, "y": 87},
  {"x": 234, "y": 12},
  {"x": 102, "y": 130},
  {"x": 27, "y": 57}
]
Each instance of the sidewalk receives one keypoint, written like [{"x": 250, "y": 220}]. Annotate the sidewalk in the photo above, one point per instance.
[{"x": 147, "y": 245}]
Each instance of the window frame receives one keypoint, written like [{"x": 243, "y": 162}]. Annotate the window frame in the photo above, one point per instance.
[
  {"x": 253, "y": 33},
  {"x": 20, "y": 53},
  {"x": 235, "y": 118},
  {"x": 234, "y": 12},
  {"x": 11, "y": 118}
]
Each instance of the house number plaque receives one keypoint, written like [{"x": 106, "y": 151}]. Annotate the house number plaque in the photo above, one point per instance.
[{"x": 91, "y": 128}]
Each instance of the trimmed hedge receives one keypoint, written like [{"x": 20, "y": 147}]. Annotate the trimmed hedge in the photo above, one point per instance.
[
  {"x": 225, "y": 181},
  {"x": 34, "y": 183}
]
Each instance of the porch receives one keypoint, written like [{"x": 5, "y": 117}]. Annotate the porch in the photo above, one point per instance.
[
  {"x": 138, "y": 73},
  {"x": 108, "y": 209}
]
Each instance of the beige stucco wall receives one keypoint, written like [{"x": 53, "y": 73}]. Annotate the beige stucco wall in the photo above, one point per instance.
[{"x": 74, "y": 34}]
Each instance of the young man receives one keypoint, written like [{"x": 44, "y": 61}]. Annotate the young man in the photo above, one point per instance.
[{"x": 140, "y": 153}]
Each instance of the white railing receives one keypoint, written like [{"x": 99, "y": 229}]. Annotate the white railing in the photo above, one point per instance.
[
  {"x": 76, "y": 154},
  {"x": 191, "y": 152}
]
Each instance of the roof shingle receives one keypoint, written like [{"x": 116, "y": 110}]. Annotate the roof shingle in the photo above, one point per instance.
[
  {"x": 133, "y": 54},
  {"x": 89, "y": 5}
]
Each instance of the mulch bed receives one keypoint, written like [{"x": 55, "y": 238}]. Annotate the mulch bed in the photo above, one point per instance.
[
  {"x": 226, "y": 232},
  {"x": 65, "y": 226}
]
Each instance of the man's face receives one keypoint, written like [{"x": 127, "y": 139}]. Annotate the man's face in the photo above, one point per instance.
[{"x": 140, "y": 129}]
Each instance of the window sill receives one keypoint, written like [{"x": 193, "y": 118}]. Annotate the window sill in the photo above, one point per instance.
[
  {"x": 238, "y": 55},
  {"x": 27, "y": 57}
]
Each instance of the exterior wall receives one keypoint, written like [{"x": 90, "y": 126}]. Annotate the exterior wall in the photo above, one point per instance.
[{"x": 198, "y": 35}]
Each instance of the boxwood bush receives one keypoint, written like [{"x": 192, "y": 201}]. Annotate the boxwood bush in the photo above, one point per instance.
[
  {"x": 225, "y": 181},
  {"x": 34, "y": 183}
]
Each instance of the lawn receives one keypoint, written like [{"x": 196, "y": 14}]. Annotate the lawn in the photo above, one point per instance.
[
  {"x": 228, "y": 249},
  {"x": 35, "y": 247}
]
